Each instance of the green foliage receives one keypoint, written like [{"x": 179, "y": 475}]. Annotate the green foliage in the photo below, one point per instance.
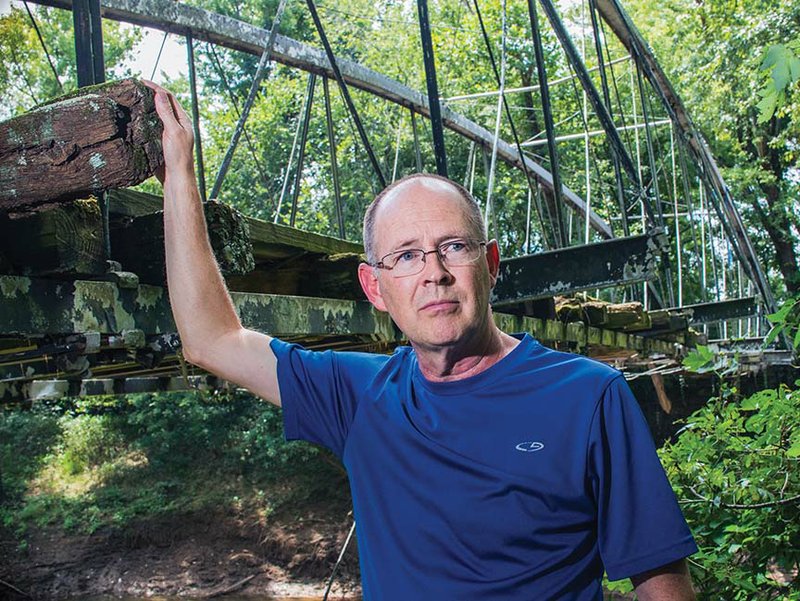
[
  {"x": 26, "y": 77},
  {"x": 734, "y": 468},
  {"x": 786, "y": 321},
  {"x": 781, "y": 70},
  {"x": 108, "y": 462}
]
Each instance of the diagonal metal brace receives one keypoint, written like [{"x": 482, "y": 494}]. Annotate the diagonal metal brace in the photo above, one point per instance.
[{"x": 251, "y": 97}]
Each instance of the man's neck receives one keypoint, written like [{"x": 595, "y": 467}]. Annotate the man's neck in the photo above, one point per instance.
[{"x": 448, "y": 364}]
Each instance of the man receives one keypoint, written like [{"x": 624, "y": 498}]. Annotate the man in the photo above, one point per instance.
[{"x": 482, "y": 465}]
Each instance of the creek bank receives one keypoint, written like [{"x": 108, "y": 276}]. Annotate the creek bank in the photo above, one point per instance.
[{"x": 200, "y": 555}]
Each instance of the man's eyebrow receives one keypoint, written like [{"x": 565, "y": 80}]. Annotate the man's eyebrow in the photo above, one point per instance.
[{"x": 415, "y": 242}]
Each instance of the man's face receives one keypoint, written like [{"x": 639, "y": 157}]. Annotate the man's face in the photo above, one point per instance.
[{"x": 442, "y": 305}]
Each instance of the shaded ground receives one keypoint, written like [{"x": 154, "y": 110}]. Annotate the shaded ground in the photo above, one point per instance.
[{"x": 201, "y": 555}]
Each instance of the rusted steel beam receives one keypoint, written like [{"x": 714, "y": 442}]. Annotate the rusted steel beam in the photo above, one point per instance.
[
  {"x": 167, "y": 15},
  {"x": 722, "y": 310},
  {"x": 600, "y": 265},
  {"x": 106, "y": 136}
]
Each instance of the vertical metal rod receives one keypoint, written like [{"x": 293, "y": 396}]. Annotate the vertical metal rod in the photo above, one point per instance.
[
  {"x": 559, "y": 234},
  {"x": 688, "y": 196},
  {"x": 345, "y": 93},
  {"x": 337, "y": 191},
  {"x": 397, "y": 148},
  {"x": 429, "y": 61},
  {"x": 528, "y": 224},
  {"x": 251, "y": 98},
  {"x": 88, "y": 42},
  {"x": 607, "y": 100},
  {"x": 417, "y": 153},
  {"x": 650, "y": 151},
  {"x": 678, "y": 248},
  {"x": 288, "y": 172},
  {"x": 298, "y": 174},
  {"x": 703, "y": 271},
  {"x": 470, "y": 160},
  {"x": 498, "y": 119},
  {"x": 198, "y": 144}
]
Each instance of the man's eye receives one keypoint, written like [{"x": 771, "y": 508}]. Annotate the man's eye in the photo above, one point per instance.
[
  {"x": 457, "y": 246},
  {"x": 406, "y": 256}
]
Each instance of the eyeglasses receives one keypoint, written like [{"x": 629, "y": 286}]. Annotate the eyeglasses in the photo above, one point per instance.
[{"x": 411, "y": 261}]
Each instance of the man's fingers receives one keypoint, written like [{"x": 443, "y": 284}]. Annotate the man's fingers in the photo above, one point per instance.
[{"x": 180, "y": 114}]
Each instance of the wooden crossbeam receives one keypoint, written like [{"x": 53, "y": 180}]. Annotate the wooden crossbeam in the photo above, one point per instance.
[{"x": 39, "y": 307}]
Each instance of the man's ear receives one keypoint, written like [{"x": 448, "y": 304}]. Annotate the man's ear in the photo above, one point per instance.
[
  {"x": 493, "y": 260},
  {"x": 371, "y": 286}
]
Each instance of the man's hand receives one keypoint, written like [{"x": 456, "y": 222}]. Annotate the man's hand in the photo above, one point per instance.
[
  {"x": 670, "y": 582},
  {"x": 178, "y": 138}
]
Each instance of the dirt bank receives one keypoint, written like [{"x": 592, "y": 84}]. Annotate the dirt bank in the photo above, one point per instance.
[{"x": 199, "y": 555}]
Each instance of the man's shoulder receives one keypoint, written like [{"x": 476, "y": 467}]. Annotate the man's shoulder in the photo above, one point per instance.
[
  {"x": 340, "y": 360},
  {"x": 573, "y": 365}
]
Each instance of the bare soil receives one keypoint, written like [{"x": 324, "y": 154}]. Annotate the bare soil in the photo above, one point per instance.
[{"x": 198, "y": 555}]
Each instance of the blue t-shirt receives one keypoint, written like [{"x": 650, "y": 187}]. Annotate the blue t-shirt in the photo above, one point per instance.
[{"x": 523, "y": 482}]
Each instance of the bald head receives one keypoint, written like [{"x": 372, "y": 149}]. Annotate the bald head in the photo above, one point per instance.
[{"x": 407, "y": 185}]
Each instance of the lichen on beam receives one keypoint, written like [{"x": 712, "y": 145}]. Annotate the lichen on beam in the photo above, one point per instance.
[
  {"x": 39, "y": 307},
  {"x": 102, "y": 137}
]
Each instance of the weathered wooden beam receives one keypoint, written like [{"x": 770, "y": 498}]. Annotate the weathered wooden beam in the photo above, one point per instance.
[
  {"x": 138, "y": 245},
  {"x": 39, "y": 307},
  {"x": 722, "y": 310},
  {"x": 564, "y": 271},
  {"x": 167, "y": 15},
  {"x": 271, "y": 241},
  {"x": 102, "y": 137},
  {"x": 65, "y": 240}
]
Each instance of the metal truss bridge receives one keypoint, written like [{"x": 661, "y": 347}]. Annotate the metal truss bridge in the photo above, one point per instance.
[{"x": 647, "y": 214}]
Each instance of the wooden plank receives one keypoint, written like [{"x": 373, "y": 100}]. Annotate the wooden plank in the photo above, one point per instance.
[
  {"x": 66, "y": 240},
  {"x": 105, "y": 136},
  {"x": 138, "y": 244}
]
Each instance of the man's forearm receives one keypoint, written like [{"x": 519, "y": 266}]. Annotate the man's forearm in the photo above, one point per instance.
[{"x": 200, "y": 302}]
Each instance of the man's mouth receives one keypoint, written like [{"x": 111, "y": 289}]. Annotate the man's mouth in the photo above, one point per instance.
[{"x": 441, "y": 304}]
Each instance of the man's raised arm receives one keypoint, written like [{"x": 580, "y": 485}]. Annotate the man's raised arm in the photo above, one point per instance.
[{"x": 211, "y": 333}]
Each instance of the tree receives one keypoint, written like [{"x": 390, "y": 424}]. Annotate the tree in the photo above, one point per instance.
[{"x": 26, "y": 75}]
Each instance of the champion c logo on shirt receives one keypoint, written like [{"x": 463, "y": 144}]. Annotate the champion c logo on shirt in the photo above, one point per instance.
[{"x": 530, "y": 447}]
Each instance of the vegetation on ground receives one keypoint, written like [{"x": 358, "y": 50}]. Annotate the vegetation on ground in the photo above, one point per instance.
[{"x": 110, "y": 462}]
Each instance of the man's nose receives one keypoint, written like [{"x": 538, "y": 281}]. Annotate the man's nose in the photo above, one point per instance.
[{"x": 435, "y": 269}]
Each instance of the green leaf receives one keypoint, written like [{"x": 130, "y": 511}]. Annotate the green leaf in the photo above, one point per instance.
[{"x": 794, "y": 450}]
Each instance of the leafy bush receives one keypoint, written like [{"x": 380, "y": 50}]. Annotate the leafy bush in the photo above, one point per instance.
[
  {"x": 110, "y": 461},
  {"x": 735, "y": 470}
]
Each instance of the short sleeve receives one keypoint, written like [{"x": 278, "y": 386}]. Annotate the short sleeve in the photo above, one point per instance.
[
  {"x": 640, "y": 524},
  {"x": 319, "y": 401}
]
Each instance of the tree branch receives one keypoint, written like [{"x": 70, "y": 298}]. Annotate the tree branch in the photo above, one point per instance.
[{"x": 701, "y": 499}]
